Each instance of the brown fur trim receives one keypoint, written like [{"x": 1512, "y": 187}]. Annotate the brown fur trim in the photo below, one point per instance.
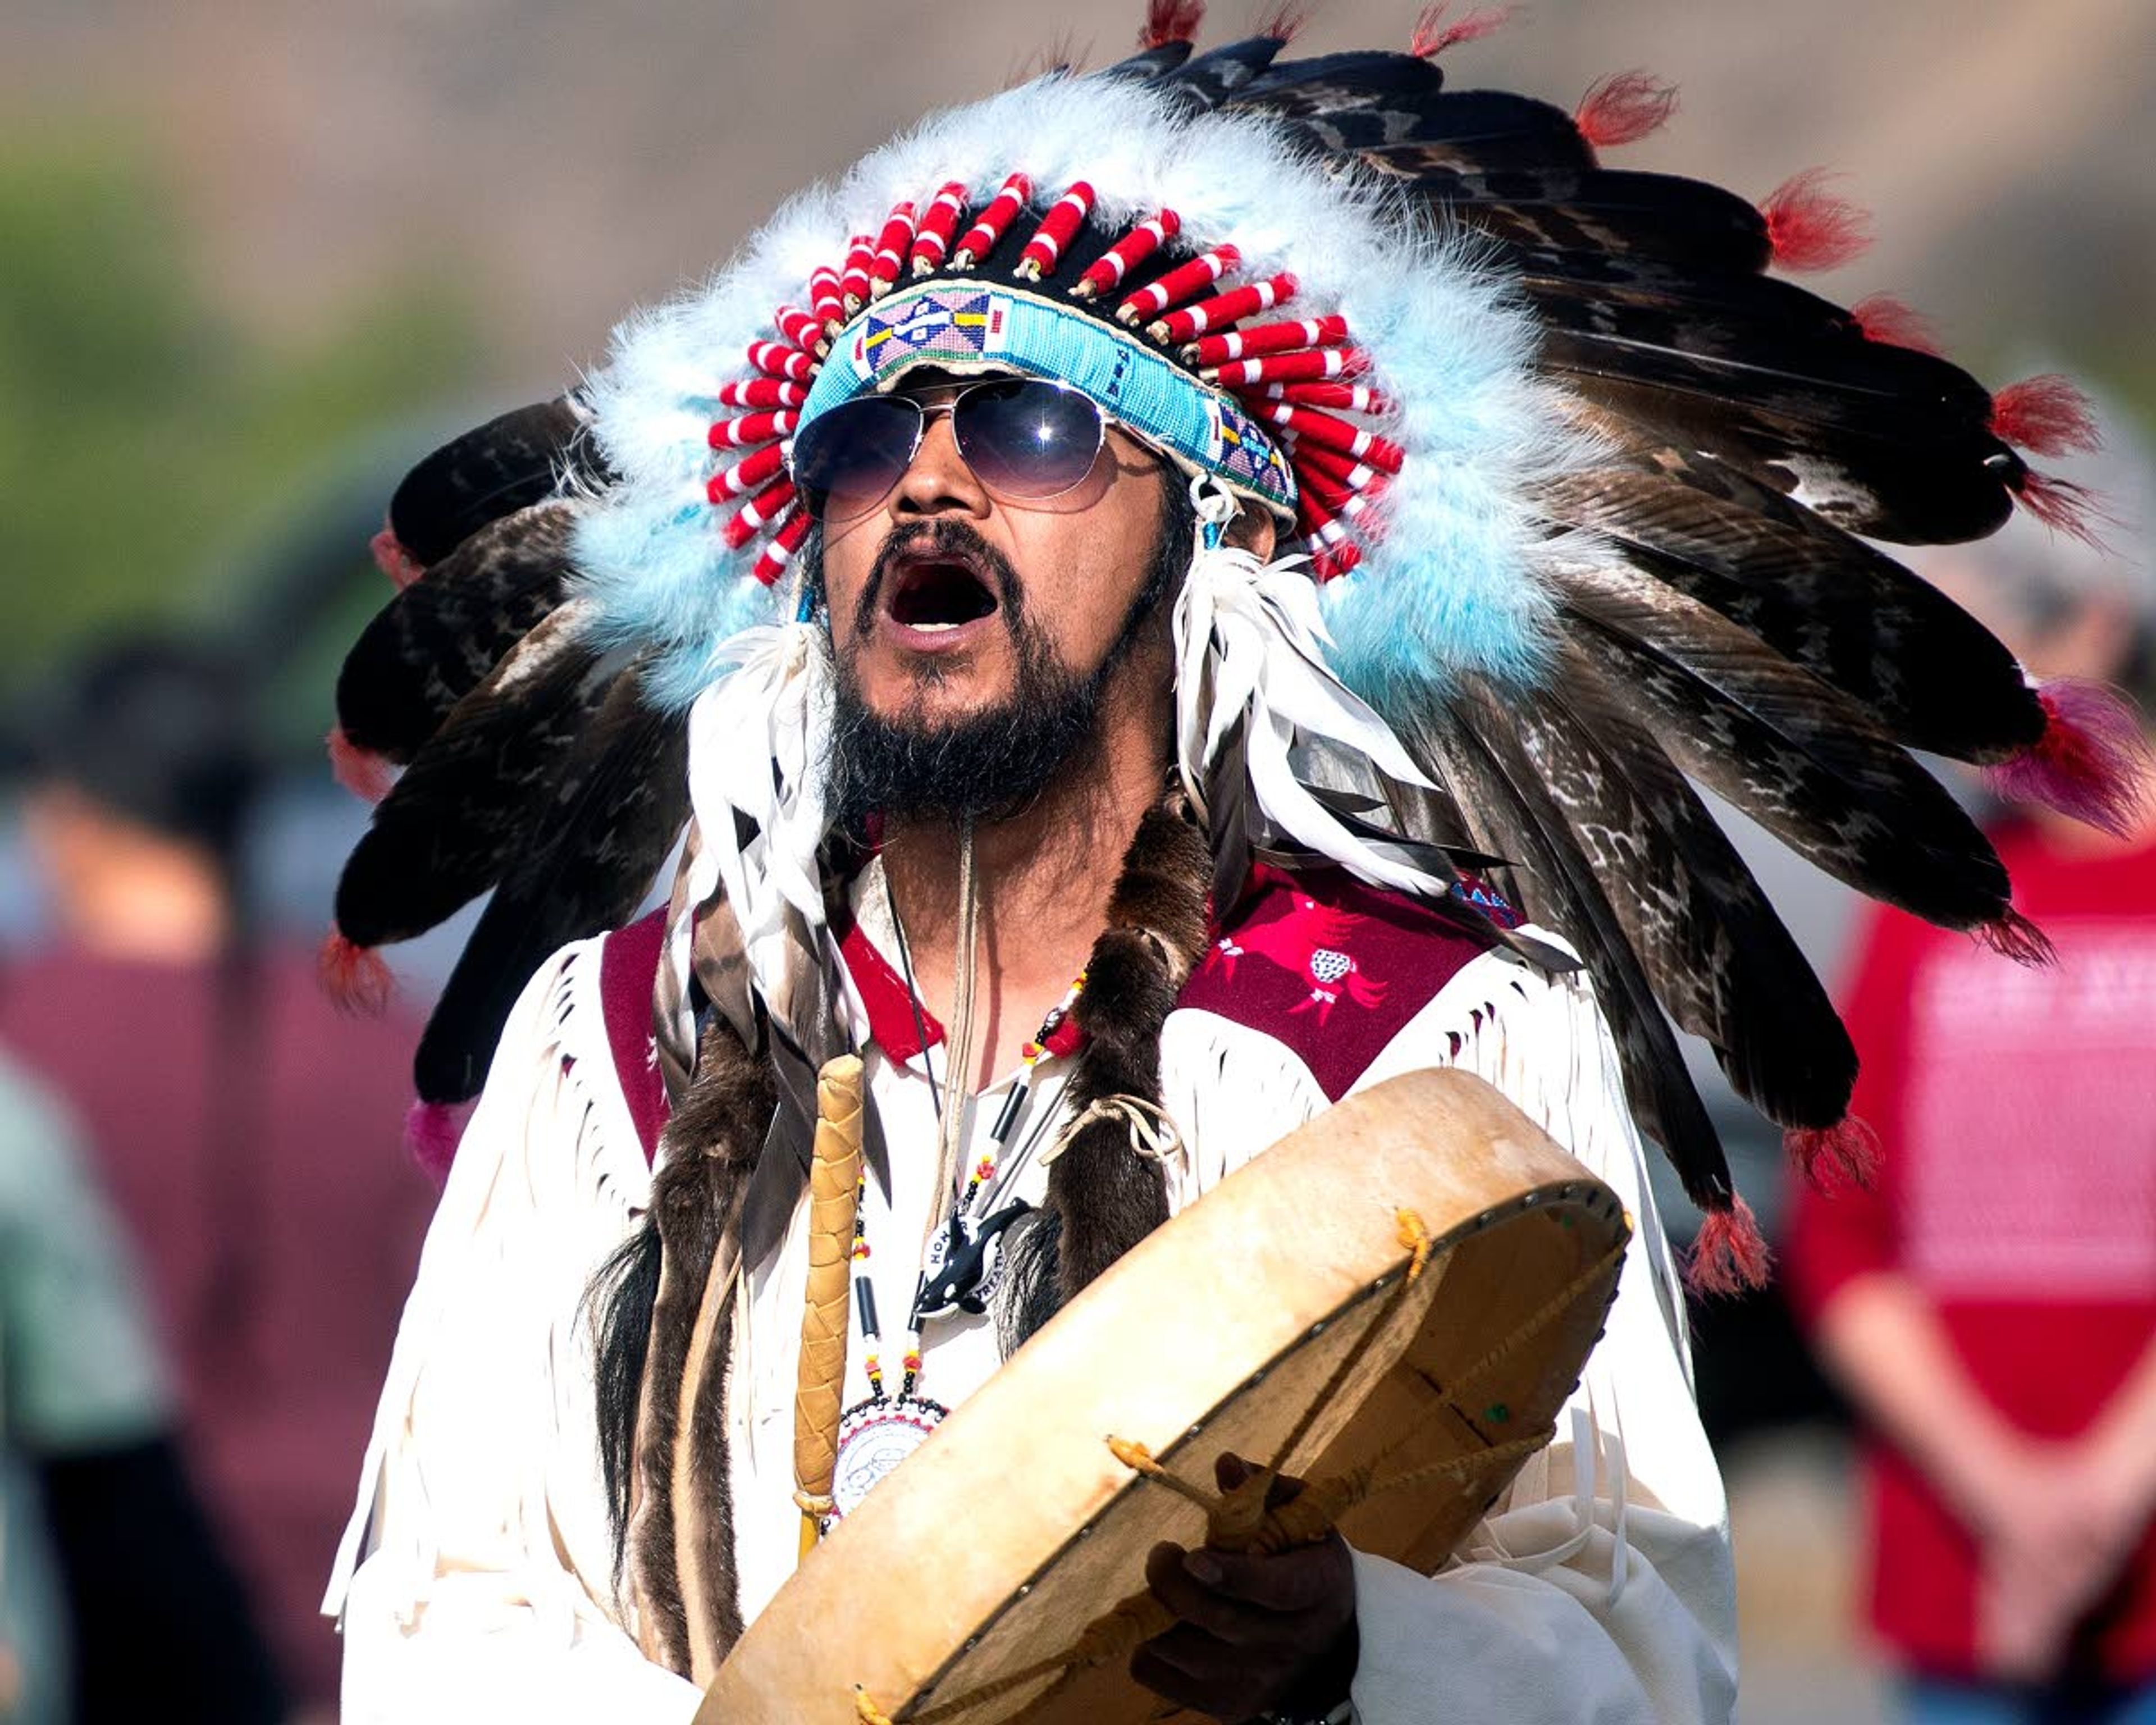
[
  {"x": 709, "y": 1146},
  {"x": 706, "y": 1530},
  {"x": 1102, "y": 1197}
]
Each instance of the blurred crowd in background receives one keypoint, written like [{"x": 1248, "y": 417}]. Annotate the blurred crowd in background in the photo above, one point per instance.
[{"x": 253, "y": 258}]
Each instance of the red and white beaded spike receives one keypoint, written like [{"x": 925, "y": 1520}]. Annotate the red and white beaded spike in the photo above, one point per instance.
[
  {"x": 1304, "y": 364},
  {"x": 1179, "y": 285},
  {"x": 772, "y": 396},
  {"x": 1320, "y": 526},
  {"x": 1330, "y": 564},
  {"x": 761, "y": 392},
  {"x": 939, "y": 221},
  {"x": 759, "y": 512},
  {"x": 1296, "y": 374},
  {"x": 827, "y": 299},
  {"x": 854, "y": 279},
  {"x": 1342, "y": 470},
  {"x": 797, "y": 365},
  {"x": 892, "y": 246},
  {"x": 766, "y": 465},
  {"x": 779, "y": 551},
  {"x": 988, "y": 227},
  {"x": 802, "y": 329},
  {"x": 1224, "y": 309},
  {"x": 753, "y": 428},
  {"x": 1107, "y": 270},
  {"x": 1330, "y": 431},
  {"x": 1349, "y": 502},
  {"x": 1353, "y": 398},
  {"x": 1065, "y": 217},
  {"x": 1262, "y": 338}
]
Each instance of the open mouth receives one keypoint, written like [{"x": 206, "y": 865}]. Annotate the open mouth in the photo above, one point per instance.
[{"x": 934, "y": 595}]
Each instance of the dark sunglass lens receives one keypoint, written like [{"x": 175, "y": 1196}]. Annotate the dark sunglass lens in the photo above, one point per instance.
[
  {"x": 1027, "y": 439},
  {"x": 848, "y": 459}
]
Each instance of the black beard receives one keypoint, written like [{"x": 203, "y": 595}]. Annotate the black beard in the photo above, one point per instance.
[{"x": 990, "y": 762}]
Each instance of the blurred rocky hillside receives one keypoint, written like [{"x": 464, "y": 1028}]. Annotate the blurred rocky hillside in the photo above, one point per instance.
[{"x": 566, "y": 161}]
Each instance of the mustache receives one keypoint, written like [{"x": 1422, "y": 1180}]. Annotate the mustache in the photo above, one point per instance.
[{"x": 952, "y": 539}]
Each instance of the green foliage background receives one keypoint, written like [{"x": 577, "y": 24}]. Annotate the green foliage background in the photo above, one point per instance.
[{"x": 146, "y": 441}]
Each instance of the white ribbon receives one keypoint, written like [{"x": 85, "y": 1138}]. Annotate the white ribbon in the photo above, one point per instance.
[
  {"x": 760, "y": 747},
  {"x": 1251, "y": 635}
]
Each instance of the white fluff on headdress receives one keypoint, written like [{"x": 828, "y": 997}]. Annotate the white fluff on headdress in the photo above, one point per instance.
[
  {"x": 1250, "y": 646},
  {"x": 760, "y": 748}
]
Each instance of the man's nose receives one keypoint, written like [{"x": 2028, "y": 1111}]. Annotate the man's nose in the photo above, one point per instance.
[{"x": 938, "y": 481}]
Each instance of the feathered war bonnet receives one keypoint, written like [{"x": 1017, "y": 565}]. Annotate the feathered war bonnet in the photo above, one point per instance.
[{"x": 1570, "y": 488}]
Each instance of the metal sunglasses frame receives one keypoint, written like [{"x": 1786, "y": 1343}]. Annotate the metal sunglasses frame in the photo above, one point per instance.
[{"x": 816, "y": 502}]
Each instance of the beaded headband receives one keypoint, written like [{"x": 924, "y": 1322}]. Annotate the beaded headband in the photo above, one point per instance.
[
  {"x": 967, "y": 328},
  {"x": 1163, "y": 341}
]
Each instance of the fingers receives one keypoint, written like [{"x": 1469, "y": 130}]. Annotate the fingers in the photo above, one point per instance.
[
  {"x": 1286, "y": 1585},
  {"x": 1181, "y": 1587},
  {"x": 1250, "y": 1628},
  {"x": 1250, "y": 1601}
]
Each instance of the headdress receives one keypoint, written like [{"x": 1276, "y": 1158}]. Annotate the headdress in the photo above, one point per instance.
[{"x": 1580, "y": 485}]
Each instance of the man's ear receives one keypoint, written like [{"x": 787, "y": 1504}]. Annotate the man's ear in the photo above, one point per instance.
[{"x": 1253, "y": 530}]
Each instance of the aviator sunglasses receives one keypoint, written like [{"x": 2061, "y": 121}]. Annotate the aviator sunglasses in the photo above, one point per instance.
[{"x": 1026, "y": 439}]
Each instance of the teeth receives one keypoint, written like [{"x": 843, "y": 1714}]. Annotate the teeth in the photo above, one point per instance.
[{"x": 936, "y": 628}]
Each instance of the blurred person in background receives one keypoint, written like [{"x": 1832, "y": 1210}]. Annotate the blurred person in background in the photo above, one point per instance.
[
  {"x": 246, "y": 1131},
  {"x": 1990, "y": 1304},
  {"x": 114, "y": 1598}
]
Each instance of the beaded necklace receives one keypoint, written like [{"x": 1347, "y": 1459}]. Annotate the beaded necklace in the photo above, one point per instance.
[{"x": 961, "y": 1269}]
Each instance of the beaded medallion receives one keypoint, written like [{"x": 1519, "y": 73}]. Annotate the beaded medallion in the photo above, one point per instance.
[{"x": 874, "y": 1437}]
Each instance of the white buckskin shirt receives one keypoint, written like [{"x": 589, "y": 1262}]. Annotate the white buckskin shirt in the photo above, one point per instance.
[{"x": 477, "y": 1579}]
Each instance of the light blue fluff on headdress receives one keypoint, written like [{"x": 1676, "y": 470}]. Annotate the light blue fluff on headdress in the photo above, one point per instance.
[{"x": 1453, "y": 578}]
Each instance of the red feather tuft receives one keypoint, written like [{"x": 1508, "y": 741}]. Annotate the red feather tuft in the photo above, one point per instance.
[
  {"x": 2046, "y": 415},
  {"x": 2064, "y": 507},
  {"x": 355, "y": 976},
  {"x": 1730, "y": 1255},
  {"x": 1170, "y": 21},
  {"x": 363, "y": 773},
  {"x": 2092, "y": 763},
  {"x": 1284, "y": 23},
  {"x": 1433, "y": 35},
  {"x": 390, "y": 557},
  {"x": 1896, "y": 324},
  {"x": 1832, "y": 1156},
  {"x": 1808, "y": 228},
  {"x": 433, "y": 1131},
  {"x": 2012, "y": 935},
  {"x": 1624, "y": 108}
]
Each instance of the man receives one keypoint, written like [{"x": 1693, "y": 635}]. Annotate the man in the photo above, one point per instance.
[
  {"x": 225, "y": 1129},
  {"x": 116, "y": 1595},
  {"x": 1990, "y": 1306},
  {"x": 1052, "y": 703}
]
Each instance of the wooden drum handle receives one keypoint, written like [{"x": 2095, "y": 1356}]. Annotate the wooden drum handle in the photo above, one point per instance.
[{"x": 834, "y": 1193}]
